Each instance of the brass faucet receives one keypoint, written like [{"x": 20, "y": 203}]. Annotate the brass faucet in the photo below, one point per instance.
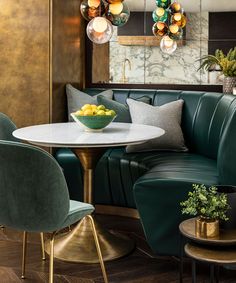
[{"x": 124, "y": 78}]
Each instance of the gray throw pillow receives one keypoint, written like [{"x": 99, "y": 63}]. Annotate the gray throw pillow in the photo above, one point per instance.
[
  {"x": 76, "y": 98},
  {"x": 167, "y": 117},
  {"x": 122, "y": 110}
]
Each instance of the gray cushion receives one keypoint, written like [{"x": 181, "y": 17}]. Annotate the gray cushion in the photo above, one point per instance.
[
  {"x": 76, "y": 98},
  {"x": 122, "y": 110},
  {"x": 167, "y": 117}
]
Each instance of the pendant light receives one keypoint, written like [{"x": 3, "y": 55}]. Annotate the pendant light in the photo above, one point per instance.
[
  {"x": 118, "y": 14},
  {"x": 169, "y": 23},
  {"x": 91, "y": 8},
  {"x": 99, "y": 30},
  {"x": 168, "y": 45},
  {"x": 102, "y": 15}
]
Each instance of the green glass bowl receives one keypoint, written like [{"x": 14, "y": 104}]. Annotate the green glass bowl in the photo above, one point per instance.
[{"x": 93, "y": 123}]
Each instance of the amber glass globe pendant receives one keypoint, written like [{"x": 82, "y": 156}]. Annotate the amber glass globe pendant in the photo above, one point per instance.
[{"x": 102, "y": 15}]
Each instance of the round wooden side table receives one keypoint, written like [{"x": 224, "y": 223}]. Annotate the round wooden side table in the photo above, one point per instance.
[{"x": 215, "y": 251}]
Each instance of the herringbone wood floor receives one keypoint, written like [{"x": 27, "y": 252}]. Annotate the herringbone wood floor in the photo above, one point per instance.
[{"x": 139, "y": 267}]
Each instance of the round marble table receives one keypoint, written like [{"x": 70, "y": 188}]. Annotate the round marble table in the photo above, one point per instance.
[{"x": 78, "y": 245}]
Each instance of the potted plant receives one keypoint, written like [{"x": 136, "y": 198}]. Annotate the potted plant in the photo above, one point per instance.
[
  {"x": 209, "y": 206},
  {"x": 226, "y": 63}
]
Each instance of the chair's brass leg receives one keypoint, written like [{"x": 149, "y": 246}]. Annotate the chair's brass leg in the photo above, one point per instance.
[
  {"x": 25, "y": 234},
  {"x": 42, "y": 246},
  {"x": 98, "y": 248},
  {"x": 51, "y": 272}
]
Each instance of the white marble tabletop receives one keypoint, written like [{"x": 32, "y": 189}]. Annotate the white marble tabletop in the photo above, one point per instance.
[{"x": 73, "y": 135}]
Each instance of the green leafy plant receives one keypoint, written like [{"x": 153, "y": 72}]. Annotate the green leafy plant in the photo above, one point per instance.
[
  {"x": 226, "y": 63},
  {"x": 206, "y": 202}
]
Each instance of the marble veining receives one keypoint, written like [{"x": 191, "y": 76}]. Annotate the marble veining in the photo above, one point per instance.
[
  {"x": 73, "y": 135},
  {"x": 150, "y": 65}
]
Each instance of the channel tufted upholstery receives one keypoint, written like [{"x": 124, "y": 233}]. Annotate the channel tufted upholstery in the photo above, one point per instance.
[{"x": 155, "y": 182}]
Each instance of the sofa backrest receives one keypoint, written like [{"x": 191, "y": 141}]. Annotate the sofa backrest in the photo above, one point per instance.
[
  {"x": 206, "y": 115},
  {"x": 226, "y": 162}
]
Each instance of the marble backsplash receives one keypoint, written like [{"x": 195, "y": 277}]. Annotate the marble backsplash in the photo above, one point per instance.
[{"x": 150, "y": 65}]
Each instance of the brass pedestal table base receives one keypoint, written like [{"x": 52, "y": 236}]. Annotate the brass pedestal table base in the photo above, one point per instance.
[{"x": 78, "y": 245}]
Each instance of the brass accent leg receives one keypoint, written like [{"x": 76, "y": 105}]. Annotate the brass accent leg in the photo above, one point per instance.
[
  {"x": 98, "y": 248},
  {"x": 42, "y": 246},
  {"x": 51, "y": 261},
  {"x": 78, "y": 245},
  {"x": 25, "y": 234},
  {"x": 88, "y": 158},
  {"x": 88, "y": 183}
]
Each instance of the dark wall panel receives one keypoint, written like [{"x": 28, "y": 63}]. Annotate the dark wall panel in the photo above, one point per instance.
[
  {"x": 67, "y": 54},
  {"x": 222, "y": 31}
]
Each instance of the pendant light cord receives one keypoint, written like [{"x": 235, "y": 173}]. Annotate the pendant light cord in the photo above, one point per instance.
[
  {"x": 200, "y": 6},
  {"x": 145, "y": 33},
  {"x": 145, "y": 18},
  {"x": 100, "y": 8}
]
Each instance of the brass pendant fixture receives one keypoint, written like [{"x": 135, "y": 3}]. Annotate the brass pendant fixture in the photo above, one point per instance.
[
  {"x": 102, "y": 15},
  {"x": 169, "y": 21}
]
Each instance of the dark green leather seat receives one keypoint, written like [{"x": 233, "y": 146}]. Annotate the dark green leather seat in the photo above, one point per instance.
[{"x": 156, "y": 182}]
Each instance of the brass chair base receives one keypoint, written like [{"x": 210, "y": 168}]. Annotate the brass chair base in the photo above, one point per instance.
[{"x": 79, "y": 246}]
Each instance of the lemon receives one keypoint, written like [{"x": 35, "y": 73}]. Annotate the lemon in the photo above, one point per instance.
[
  {"x": 101, "y": 107},
  {"x": 111, "y": 113},
  {"x": 86, "y": 107},
  {"x": 101, "y": 112},
  {"x": 88, "y": 112},
  {"x": 79, "y": 112},
  {"x": 93, "y": 106}
]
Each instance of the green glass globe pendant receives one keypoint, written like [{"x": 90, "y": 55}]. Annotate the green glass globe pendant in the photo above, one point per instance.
[
  {"x": 169, "y": 23},
  {"x": 163, "y": 3},
  {"x": 160, "y": 15}
]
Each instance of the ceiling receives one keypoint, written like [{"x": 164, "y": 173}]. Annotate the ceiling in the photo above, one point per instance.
[{"x": 189, "y": 5}]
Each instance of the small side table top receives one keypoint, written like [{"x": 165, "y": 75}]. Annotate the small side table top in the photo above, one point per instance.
[
  {"x": 226, "y": 237},
  {"x": 216, "y": 251},
  {"x": 225, "y": 255}
]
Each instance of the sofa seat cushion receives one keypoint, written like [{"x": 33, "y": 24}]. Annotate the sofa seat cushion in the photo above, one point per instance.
[
  {"x": 115, "y": 175},
  {"x": 184, "y": 167},
  {"x": 117, "y": 172},
  {"x": 158, "y": 194}
]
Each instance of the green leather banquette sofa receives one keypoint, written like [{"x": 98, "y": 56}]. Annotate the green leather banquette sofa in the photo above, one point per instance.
[{"x": 156, "y": 182}]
